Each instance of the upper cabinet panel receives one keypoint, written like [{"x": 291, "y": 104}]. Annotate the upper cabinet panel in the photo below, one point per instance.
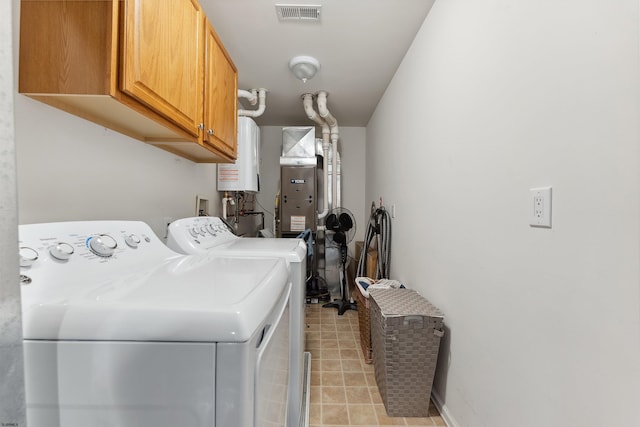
[
  {"x": 162, "y": 58},
  {"x": 221, "y": 96},
  {"x": 66, "y": 47},
  {"x": 134, "y": 66}
]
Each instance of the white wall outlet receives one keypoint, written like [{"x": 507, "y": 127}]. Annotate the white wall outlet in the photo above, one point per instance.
[{"x": 540, "y": 205}]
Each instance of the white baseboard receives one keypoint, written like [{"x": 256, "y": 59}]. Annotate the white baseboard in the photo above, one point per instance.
[{"x": 444, "y": 411}]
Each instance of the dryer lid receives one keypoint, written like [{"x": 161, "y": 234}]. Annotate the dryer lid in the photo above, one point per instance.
[
  {"x": 193, "y": 298},
  {"x": 199, "y": 235},
  {"x": 293, "y": 250}
]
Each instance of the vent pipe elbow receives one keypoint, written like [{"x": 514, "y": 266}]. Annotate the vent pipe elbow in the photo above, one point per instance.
[
  {"x": 326, "y": 115},
  {"x": 262, "y": 105},
  {"x": 323, "y": 110},
  {"x": 307, "y": 103},
  {"x": 251, "y": 96}
]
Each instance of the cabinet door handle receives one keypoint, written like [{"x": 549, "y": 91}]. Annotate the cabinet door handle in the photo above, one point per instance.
[
  {"x": 201, "y": 126},
  {"x": 210, "y": 131}
]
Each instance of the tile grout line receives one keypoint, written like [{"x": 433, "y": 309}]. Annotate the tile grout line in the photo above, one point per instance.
[{"x": 345, "y": 327}]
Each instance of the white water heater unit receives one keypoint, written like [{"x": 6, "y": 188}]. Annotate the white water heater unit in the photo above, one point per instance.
[{"x": 244, "y": 174}]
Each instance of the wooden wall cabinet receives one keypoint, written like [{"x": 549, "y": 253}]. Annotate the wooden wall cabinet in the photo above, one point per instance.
[
  {"x": 138, "y": 67},
  {"x": 221, "y": 96}
]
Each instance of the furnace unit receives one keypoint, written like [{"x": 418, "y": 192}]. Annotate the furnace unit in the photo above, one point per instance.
[
  {"x": 302, "y": 195},
  {"x": 298, "y": 189},
  {"x": 297, "y": 199}
]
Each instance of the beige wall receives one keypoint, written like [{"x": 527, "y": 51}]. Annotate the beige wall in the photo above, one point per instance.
[{"x": 81, "y": 171}]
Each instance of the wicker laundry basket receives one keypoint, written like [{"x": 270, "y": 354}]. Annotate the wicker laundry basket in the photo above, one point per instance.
[
  {"x": 364, "y": 324},
  {"x": 405, "y": 333}
]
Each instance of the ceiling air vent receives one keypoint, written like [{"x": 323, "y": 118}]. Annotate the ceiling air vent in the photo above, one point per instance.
[{"x": 298, "y": 12}]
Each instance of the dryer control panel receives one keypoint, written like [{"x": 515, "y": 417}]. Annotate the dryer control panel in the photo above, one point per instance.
[{"x": 199, "y": 234}]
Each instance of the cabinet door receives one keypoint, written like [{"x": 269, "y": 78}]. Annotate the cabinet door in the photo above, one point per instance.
[
  {"x": 162, "y": 58},
  {"x": 221, "y": 97}
]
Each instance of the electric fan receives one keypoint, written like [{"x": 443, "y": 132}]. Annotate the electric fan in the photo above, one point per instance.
[{"x": 340, "y": 228}]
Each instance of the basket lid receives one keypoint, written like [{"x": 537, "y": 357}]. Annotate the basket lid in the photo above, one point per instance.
[{"x": 403, "y": 302}]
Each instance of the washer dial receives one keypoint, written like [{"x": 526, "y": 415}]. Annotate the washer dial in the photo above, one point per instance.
[
  {"x": 61, "y": 251},
  {"x": 103, "y": 245},
  {"x": 27, "y": 256},
  {"x": 132, "y": 240}
]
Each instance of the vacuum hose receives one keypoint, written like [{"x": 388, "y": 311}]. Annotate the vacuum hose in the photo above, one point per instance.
[{"x": 379, "y": 228}]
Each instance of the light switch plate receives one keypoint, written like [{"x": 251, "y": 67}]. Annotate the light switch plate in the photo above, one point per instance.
[{"x": 540, "y": 205}]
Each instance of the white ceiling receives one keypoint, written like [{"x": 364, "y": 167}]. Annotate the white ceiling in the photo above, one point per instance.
[{"x": 359, "y": 44}]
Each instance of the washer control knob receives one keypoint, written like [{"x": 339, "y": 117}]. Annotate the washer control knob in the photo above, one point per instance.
[
  {"x": 132, "y": 240},
  {"x": 61, "y": 251},
  {"x": 27, "y": 256},
  {"x": 102, "y": 245}
]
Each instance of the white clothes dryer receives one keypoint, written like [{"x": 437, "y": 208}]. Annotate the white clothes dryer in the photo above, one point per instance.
[
  {"x": 121, "y": 331},
  {"x": 205, "y": 234}
]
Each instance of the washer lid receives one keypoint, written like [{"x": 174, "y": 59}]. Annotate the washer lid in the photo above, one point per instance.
[{"x": 193, "y": 298}]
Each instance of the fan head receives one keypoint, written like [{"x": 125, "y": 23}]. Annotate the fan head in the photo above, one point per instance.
[
  {"x": 341, "y": 226},
  {"x": 339, "y": 221},
  {"x": 332, "y": 223}
]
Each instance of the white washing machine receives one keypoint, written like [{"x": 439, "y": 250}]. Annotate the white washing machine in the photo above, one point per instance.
[
  {"x": 120, "y": 331},
  {"x": 204, "y": 234}
]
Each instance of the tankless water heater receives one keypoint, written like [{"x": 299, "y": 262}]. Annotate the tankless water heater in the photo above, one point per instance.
[{"x": 244, "y": 174}]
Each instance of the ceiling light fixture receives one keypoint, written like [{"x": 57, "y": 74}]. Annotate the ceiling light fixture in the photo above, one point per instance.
[{"x": 304, "y": 67}]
